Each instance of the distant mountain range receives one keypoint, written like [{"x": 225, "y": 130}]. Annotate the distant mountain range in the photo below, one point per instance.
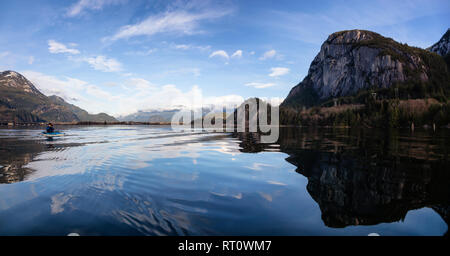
[
  {"x": 21, "y": 101},
  {"x": 161, "y": 116},
  {"x": 153, "y": 116}
]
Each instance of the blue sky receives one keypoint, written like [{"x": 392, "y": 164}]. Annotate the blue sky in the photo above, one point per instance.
[{"x": 119, "y": 56}]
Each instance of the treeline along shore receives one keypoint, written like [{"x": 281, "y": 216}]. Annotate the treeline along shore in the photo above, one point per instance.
[{"x": 9, "y": 123}]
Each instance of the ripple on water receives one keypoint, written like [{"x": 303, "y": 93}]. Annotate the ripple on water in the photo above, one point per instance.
[{"x": 155, "y": 181}]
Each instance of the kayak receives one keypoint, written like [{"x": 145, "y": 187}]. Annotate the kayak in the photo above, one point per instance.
[{"x": 53, "y": 134}]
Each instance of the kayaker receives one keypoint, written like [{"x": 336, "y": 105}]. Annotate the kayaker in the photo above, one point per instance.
[{"x": 50, "y": 128}]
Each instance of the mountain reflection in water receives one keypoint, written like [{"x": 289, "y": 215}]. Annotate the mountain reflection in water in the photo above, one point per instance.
[
  {"x": 367, "y": 177},
  {"x": 155, "y": 181}
]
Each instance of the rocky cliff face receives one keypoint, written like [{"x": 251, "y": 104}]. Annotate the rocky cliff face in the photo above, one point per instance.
[
  {"x": 353, "y": 60},
  {"x": 21, "y": 101},
  {"x": 443, "y": 46}
]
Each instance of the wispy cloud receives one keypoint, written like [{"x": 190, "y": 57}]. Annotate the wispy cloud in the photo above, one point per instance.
[
  {"x": 260, "y": 85},
  {"x": 183, "y": 71},
  {"x": 180, "y": 22},
  {"x": 237, "y": 54},
  {"x": 170, "y": 97},
  {"x": 67, "y": 88},
  {"x": 279, "y": 71},
  {"x": 74, "y": 91},
  {"x": 141, "y": 53},
  {"x": 220, "y": 53},
  {"x": 183, "y": 46},
  {"x": 4, "y": 54},
  {"x": 140, "y": 84},
  {"x": 103, "y": 63},
  {"x": 139, "y": 94},
  {"x": 268, "y": 55},
  {"x": 56, "y": 47},
  {"x": 190, "y": 46},
  {"x": 30, "y": 60},
  {"x": 82, "y": 5}
]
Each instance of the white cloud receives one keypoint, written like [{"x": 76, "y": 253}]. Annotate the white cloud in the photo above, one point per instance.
[
  {"x": 178, "y": 22},
  {"x": 141, "y": 53},
  {"x": 182, "y": 46},
  {"x": 139, "y": 84},
  {"x": 237, "y": 54},
  {"x": 252, "y": 53},
  {"x": 183, "y": 71},
  {"x": 260, "y": 85},
  {"x": 268, "y": 55},
  {"x": 4, "y": 54},
  {"x": 69, "y": 88},
  {"x": 170, "y": 97},
  {"x": 189, "y": 46},
  {"x": 138, "y": 94},
  {"x": 31, "y": 60},
  {"x": 103, "y": 63},
  {"x": 55, "y": 47},
  {"x": 100, "y": 62},
  {"x": 220, "y": 53},
  {"x": 279, "y": 71},
  {"x": 82, "y": 5},
  {"x": 75, "y": 91}
]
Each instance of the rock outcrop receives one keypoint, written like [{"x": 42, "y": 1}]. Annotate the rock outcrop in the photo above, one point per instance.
[
  {"x": 357, "y": 59},
  {"x": 443, "y": 46}
]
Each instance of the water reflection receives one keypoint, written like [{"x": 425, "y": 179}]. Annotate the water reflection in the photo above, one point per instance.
[
  {"x": 14, "y": 155},
  {"x": 21, "y": 148},
  {"x": 366, "y": 177},
  {"x": 155, "y": 181}
]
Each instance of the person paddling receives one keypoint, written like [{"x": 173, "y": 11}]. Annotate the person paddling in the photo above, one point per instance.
[{"x": 50, "y": 128}]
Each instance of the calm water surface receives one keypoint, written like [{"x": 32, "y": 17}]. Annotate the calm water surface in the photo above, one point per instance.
[{"x": 141, "y": 180}]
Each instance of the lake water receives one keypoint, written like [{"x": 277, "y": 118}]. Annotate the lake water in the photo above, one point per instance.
[{"x": 151, "y": 180}]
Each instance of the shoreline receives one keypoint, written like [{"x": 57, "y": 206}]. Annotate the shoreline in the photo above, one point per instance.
[
  {"x": 82, "y": 123},
  {"x": 12, "y": 124}
]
